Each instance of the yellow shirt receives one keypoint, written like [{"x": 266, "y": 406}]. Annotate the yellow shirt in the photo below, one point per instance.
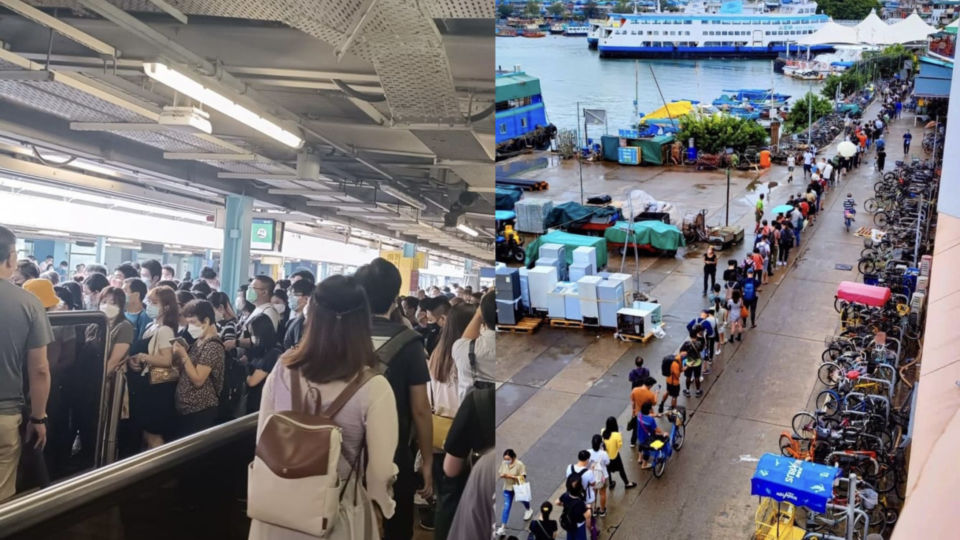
[{"x": 614, "y": 443}]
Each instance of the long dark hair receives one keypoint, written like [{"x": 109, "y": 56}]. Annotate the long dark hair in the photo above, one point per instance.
[
  {"x": 166, "y": 300},
  {"x": 610, "y": 428},
  {"x": 261, "y": 326},
  {"x": 336, "y": 342},
  {"x": 441, "y": 360},
  {"x": 596, "y": 442}
]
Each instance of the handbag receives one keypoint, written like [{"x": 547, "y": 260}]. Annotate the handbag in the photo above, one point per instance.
[
  {"x": 744, "y": 312},
  {"x": 521, "y": 490},
  {"x": 441, "y": 427},
  {"x": 632, "y": 423},
  {"x": 161, "y": 375}
]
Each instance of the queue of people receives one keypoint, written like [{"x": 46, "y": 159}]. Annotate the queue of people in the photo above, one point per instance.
[{"x": 192, "y": 358}]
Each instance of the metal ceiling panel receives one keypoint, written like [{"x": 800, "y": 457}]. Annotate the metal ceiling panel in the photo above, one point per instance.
[
  {"x": 458, "y": 9},
  {"x": 65, "y": 102}
]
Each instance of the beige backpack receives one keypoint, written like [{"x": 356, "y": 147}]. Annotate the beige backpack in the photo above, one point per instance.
[{"x": 293, "y": 481}]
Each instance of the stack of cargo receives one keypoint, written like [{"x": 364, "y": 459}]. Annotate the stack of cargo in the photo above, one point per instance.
[
  {"x": 508, "y": 295},
  {"x": 531, "y": 213},
  {"x": 587, "y": 289},
  {"x": 610, "y": 300},
  {"x": 584, "y": 263},
  {"x": 554, "y": 255},
  {"x": 541, "y": 280}
]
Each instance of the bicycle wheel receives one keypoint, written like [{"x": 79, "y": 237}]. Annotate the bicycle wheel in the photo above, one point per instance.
[
  {"x": 786, "y": 446},
  {"x": 881, "y": 219},
  {"x": 831, "y": 354},
  {"x": 886, "y": 480},
  {"x": 829, "y": 374},
  {"x": 871, "y": 205},
  {"x": 828, "y": 402},
  {"x": 804, "y": 425},
  {"x": 659, "y": 466},
  {"x": 679, "y": 438},
  {"x": 866, "y": 266}
]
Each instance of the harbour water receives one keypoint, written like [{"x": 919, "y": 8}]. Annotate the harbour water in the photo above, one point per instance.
[{"x": 569, "y": 73}]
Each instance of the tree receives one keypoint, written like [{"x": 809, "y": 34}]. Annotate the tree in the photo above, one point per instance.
[
  {"x": 623, "y": 6},
  {"x": 505, "y": 9},
  {"x": 848, "y": 10},
  {"x": 590, "y": 10},
  {"x": 799, "y": 112},
  {"x": 714, "y": 133},
  {"x": 557, "y": 10},
  {"x": 532, "y": 9}
]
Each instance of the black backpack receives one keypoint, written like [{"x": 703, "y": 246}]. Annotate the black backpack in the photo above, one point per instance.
[
  {"x": 665, "y": 365},
  {"x": 389, "y": 347},
  {"x": 568, "y": 521},
  {"x": 786, "y": 238}
]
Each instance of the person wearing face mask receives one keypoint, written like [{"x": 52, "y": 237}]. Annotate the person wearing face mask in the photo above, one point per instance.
[
  {"x": 234, "y": 373},
  {"x": 201, "y": 370},
  {"x": 152, "y": 406},
  {"x": 92, "y": 287},
  {"x": 280, "y": 301},
  {"x": 259, "y": 293},
  {"x": 91, "y": 373},
  {"x": 435, "y": 309},
  {"x": 151, "y": 272},
  {"x": 260, "y": 359},
  {"x": 300, "y": 293},
  {"x": 513, "y": 471}
]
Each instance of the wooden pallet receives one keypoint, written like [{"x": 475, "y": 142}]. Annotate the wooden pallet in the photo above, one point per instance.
[
  {"x": 565, "y": 323},
  {"x": 634, "y": 339},
  {"x": 527, "y": 325}
]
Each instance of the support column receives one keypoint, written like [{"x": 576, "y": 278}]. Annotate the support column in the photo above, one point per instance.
[
  {"x": 235, "y": 261},
  {"x": 101, "y": 250}
]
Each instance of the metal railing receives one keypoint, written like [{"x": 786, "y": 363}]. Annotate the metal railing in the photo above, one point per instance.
[{"x": 29, "y": 510}]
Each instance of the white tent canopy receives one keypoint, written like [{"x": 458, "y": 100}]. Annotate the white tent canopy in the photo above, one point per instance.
[
  {"x": 831, "y": 33},
  {"x": 873, "y": 30},
  {"x": 911, "y": 29}
]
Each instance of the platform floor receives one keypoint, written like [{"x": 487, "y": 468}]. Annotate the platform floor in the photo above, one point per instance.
[{"x": 559, "y": 385}]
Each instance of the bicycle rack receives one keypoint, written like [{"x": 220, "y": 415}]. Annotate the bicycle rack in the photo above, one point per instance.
[
  {"x": 872, "y": 397},
  {"x": 851, "y": 513},
  {"x": 888, "y": 384}
]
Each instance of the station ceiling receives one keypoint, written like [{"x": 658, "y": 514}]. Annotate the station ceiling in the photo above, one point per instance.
[{"x": 393, "y": 100}]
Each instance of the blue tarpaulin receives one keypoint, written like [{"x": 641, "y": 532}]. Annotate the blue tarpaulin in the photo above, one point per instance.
[{"x": 801, "y": 483}]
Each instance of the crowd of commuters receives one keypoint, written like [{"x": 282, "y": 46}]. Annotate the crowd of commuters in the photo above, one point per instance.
[{"x": 189, "y": 358}]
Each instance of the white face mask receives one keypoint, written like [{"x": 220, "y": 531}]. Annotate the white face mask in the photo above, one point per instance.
[
  {"x": 281, "y": 308},
  {"x": 110, "y": 310},
  {"x": 195, "y": 330}
]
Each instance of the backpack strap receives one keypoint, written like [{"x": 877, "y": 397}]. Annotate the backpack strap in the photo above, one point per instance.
[
  {"x": 356, "y": 384},
  {"x": 472, "y": 355},
  {"x": 296, "y": 395},
  {"x": 395, "y": 344}
]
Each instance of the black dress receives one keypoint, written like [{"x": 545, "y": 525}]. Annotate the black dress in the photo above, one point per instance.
[{"x": 155, "y": 409}]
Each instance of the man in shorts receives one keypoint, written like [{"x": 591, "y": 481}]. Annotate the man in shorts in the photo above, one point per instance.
[
  {"x": 791, "y": 164},
  {"x": 694, "y": 360},
  {"x": 673, "y": 380}
]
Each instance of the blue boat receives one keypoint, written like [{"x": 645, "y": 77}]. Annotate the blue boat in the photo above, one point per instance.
[{"x": 520, "y": 117}]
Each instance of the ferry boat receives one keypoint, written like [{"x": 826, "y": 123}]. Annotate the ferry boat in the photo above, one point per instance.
[
  {"x": 576, "y": 31},
  {"x": 520, "y": 117},
  {"x": 506, "y": 31},
  {"x": 594, "y": 28},
  {"x": 557, "y": 28},
  {"x": 533, "y": 31},
  {"x": 703, "y": 29}
]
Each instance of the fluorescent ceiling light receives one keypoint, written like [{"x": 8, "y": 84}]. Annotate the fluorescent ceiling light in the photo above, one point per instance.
[
  {"x": 403, "y": 197},
  {"x": 187, "y": 86},
  {"x": 467, "y": 230},
  {"x": 53, "y": 233}
]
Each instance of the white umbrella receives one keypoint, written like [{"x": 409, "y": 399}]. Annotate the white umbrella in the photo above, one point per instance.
[{"x": 847, "y": 149}]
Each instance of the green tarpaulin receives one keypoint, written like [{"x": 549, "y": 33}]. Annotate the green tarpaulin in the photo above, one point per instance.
[
  {"x": 652, "y": 149},
  {"x": 652, "y": 233},
  {"x": 571, "y": 214},
  {"x": 572, "y": 242}
]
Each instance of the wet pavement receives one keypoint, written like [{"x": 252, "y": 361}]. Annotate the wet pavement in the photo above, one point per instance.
[{"x": 560, "y": 385}]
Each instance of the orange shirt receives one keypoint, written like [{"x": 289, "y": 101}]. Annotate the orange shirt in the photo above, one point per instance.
[
  {"x": 863, "y": 140},
  {"x": 757, "y": 261},
  {"x": 674, "y": 377},
  {"x": 641, "y": 395}
]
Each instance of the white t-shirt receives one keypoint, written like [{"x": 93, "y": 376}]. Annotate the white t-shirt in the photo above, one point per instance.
[
  {"x": 791, "y": 161},
  {"x": 486, "y": 351},
  {"x": 159, "y": 336},
  {"x": 587, "y": 478},
  {"x": 828, "y": 170},
  {"x": 807, "y": 158}
]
